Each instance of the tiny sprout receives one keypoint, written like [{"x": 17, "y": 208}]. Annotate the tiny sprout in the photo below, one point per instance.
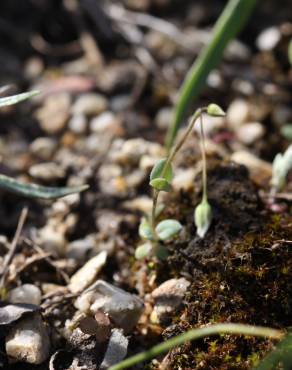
[
  {"x": 203, "y": 218},
  {"x": 215, "y": 111},
  {"x": 282, "y": 164}
]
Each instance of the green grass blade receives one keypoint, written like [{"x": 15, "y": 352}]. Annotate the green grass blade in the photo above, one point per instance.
[
  {"x": 216, "y": 329},
  {"x": 230, "y": 22},
  {"x": 281, "y": 355},
  {"x": 14, "y": 99},
  {"x": 37, "y": 191}
]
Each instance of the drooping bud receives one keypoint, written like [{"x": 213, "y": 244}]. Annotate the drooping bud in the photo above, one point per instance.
[
  {"x": 215, "y": 111},
  {"x": 203, "y": 218}
]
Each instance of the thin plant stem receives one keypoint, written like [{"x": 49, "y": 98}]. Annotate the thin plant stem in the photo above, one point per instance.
[
  {"x": 153, "y": 216},
  {"x": 169, "y": 160},
  {"x": 180, "y": 143},
  {"x": 238, "y": 329},
  {"x": 204, "y": 160}
]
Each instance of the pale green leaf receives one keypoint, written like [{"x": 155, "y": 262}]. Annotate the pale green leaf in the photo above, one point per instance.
[
  {"x": 143, "y": 251},
  {"x": 160, "y": 184},
  {"x": 166, "y": 229},
  {"x": 159, "y": 170},
  {"x": 145, "y": 230}
]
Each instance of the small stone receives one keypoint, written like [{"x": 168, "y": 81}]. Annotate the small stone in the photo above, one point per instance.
[
  {"x": 43, "y": 148},
  {"x": 110, "y": 176},
  {"x": 94, "y": 145},
  {"x": 250, "y": 132},
  {"x": 238, "y": 113},
  {"x": 107, "y": 123},
  {"x": 161, "y": 45},
  {"x": 163, "y": 118},
  {"x": 123, "y": 308},
  {"x": 168, "y": 296},
  {"x": 52, "y": 238},
  {"x": 54, "y": 114},
  {"x": 88, "y": 273},
  {"x": 49, "y": 171},
  {"x": 184, "y": 179},
  {"x": 108, "y": 222},
  {"x": 78, "y": 124},
  {"x": 99, "y": 325},
  {"x": 268, "y": 39},
  {"x": 171, "y": 291},
  {"x": 215, "y": 80},
  {"x": 28, "y": 341},
  {"x": 79, "y": 249},
  {"x": 130, "y": 151},
  {"x": 89, "y": 105},
  {"x": 116, "y": 350},
  {"x": 26, "y": 293},
  {"x": 142, "y": 204},
  {"x": 33, "y": 68}
]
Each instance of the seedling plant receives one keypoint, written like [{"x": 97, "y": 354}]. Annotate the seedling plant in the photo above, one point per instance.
[{"x": 161, "y": 176}]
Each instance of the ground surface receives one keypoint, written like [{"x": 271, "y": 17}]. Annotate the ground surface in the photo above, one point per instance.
[{"x": 128, "y": 77}]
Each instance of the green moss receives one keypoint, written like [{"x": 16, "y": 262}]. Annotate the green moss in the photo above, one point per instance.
[{"x": 250, "y": 282}]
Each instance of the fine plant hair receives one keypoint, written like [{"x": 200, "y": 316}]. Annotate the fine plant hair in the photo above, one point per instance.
[{"x": 160, "y": 180}]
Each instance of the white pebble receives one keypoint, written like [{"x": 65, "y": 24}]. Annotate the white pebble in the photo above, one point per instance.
[{"x": 26, "y": 293}]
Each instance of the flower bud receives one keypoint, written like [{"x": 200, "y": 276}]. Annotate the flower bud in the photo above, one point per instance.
[
  {"x": 203, "y": 218},
  {"x": 215, "y": 111}
]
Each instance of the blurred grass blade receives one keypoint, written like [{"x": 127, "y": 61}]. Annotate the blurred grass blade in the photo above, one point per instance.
[
  {"x": 280, "y": 357},
  {"x": 230, "y": 22},
  {"x": 206, "y": 331},
  {"x": 37, "y": 191},
  {"x": 14, "y": 99}
]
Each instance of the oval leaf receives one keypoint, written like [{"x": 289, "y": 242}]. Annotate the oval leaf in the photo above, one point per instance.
[
  {"x": 145, "y": 230},
  {"x": 143, "y": 251},
  {"x": 37, "y": 191},
  {"x": 160, "y": 184},
  {"x": 159, "y": 172},
  {"x": 167, "y": 229},
  {"x": 14, "y": 99}
]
